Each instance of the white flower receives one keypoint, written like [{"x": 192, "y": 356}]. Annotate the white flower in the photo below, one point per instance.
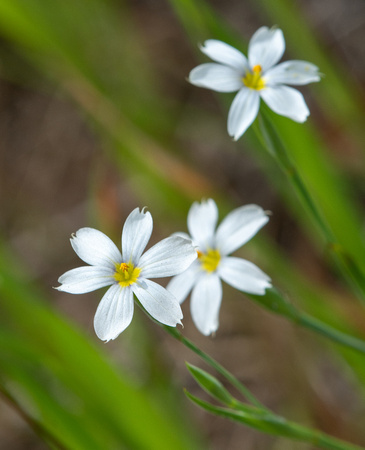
[
  {"x": 254, "y": 77},
  {"x": 128, "y": 273},
  {"x": 204, "y": 276}
]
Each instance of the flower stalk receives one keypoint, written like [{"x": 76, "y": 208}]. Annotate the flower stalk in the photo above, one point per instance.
[
  {"x": 270, "y": 139},
  {"x": 215, "y": 365},
  {"x": 274, "y": 301}
]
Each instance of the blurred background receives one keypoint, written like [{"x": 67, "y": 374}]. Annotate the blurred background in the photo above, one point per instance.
[{"x": 96, "y": 119}]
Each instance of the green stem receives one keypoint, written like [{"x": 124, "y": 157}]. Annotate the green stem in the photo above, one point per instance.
[
  {"x": 335, "y": 335},
  {"x": 292, "y": 430},
  {"x": 270, "y": 139},
  {"x": 274, "y": 301},
  {"x": 299, "y": 432},
  {"x": 275, "y": 425},
  {"x": 218, "y": 367}
]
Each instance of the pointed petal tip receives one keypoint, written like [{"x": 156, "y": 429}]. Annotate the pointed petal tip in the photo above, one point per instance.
[
  {"x": 105, "y": 339},
  {"x": 267, "y": 285},
  {"x": 143, "y": 211}
]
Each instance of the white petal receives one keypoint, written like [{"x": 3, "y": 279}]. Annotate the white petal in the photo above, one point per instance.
[
  {"x": 137, "y": 231},
  {"x": 243, "y": 112},
  {"x": 205, "y": 303},
  {"x": 181, "y": 285},
  {"x": 244, "y": 275},
  {"x": 286, "y": 101},
  {"x": 223, "y": 53},
  {"x": 238, "y": 227},
  {"x": 217, "y": 77},
  {"x": 266, "y": 47},
  {"x": 181, "y": 234},
  {"x": 85, "y": 279},
  {"x": 292, "y": 72},
  {"x": 95, "y": 248},
  {"x": 158, "y": 302},
  {"x": 202, "y": 220},
  {"x": 168, "y": 257},
  {"x": 114, "y": 313}
]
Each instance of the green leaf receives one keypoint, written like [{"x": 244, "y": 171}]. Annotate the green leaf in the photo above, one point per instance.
[
  {"x": 211, "y": 385},
  {"x": 275, "y": 425}
]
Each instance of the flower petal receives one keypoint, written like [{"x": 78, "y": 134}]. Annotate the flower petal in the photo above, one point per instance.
[
  {"x": 217, "y": 77},
  {"x": 114, "y": 313},
  {"x": 243, "y": 112},
  {"x": 202, "y": 220},
  {"x": 181, "y": 285},
  {"x": 95, "y": 248},
  {"x": 292, "y": 72},
  {"x": 181, "y": 234},
  {"x": 205, "y": 303},
  {"x": 266, "y": 48},
  {"x": 225, "y": 54},
  {"x": 85, "y": 279},
  {"x": 137, "y": 231},
  {"x": 168, "y": 257},
  {"x": 286, "y": 101},
  {"x": 158, "y": 302},
  {"x": 238, "y": 227},
  {"x": 243, "y": 275}
]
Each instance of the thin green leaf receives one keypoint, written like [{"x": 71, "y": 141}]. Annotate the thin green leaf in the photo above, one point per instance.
[
  {"x": 211, "y": 385},
  {"x": 275, "y": 425}
]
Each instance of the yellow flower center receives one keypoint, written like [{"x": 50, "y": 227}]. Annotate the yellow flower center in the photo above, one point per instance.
[
  {"x": 126, "y": 274},
  {"x": 209, "y": 260},
  {"x": 253, "y": 79}
]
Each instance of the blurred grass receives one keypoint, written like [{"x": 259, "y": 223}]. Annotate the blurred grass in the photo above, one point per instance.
[
  {"x": 93, "y": 51},
  {"x": 62, "y": 381}
]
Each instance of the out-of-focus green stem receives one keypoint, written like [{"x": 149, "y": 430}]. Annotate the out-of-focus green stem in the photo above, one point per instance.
[
  {"x": 215, "y": 365},
  {"x": 274, "y": 301},
  {"x": 318, "y": 326},
  {"x": 270, "y": 139}
]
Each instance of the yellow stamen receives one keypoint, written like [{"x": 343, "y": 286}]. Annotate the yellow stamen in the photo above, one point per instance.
[
  {"x": 126, "y": 274},
  {"x": 200, "y": 254},
  {"x": 124, "y": 267},
  {"x": 210, "y": 260},
  {"x": 253, "y": 79}
]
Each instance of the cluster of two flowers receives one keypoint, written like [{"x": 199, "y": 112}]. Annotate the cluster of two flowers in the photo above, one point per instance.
[{"x": 198, "y": 263}]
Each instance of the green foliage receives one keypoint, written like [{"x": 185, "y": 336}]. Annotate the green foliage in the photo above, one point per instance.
[{"x": 63, "y": 385}]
